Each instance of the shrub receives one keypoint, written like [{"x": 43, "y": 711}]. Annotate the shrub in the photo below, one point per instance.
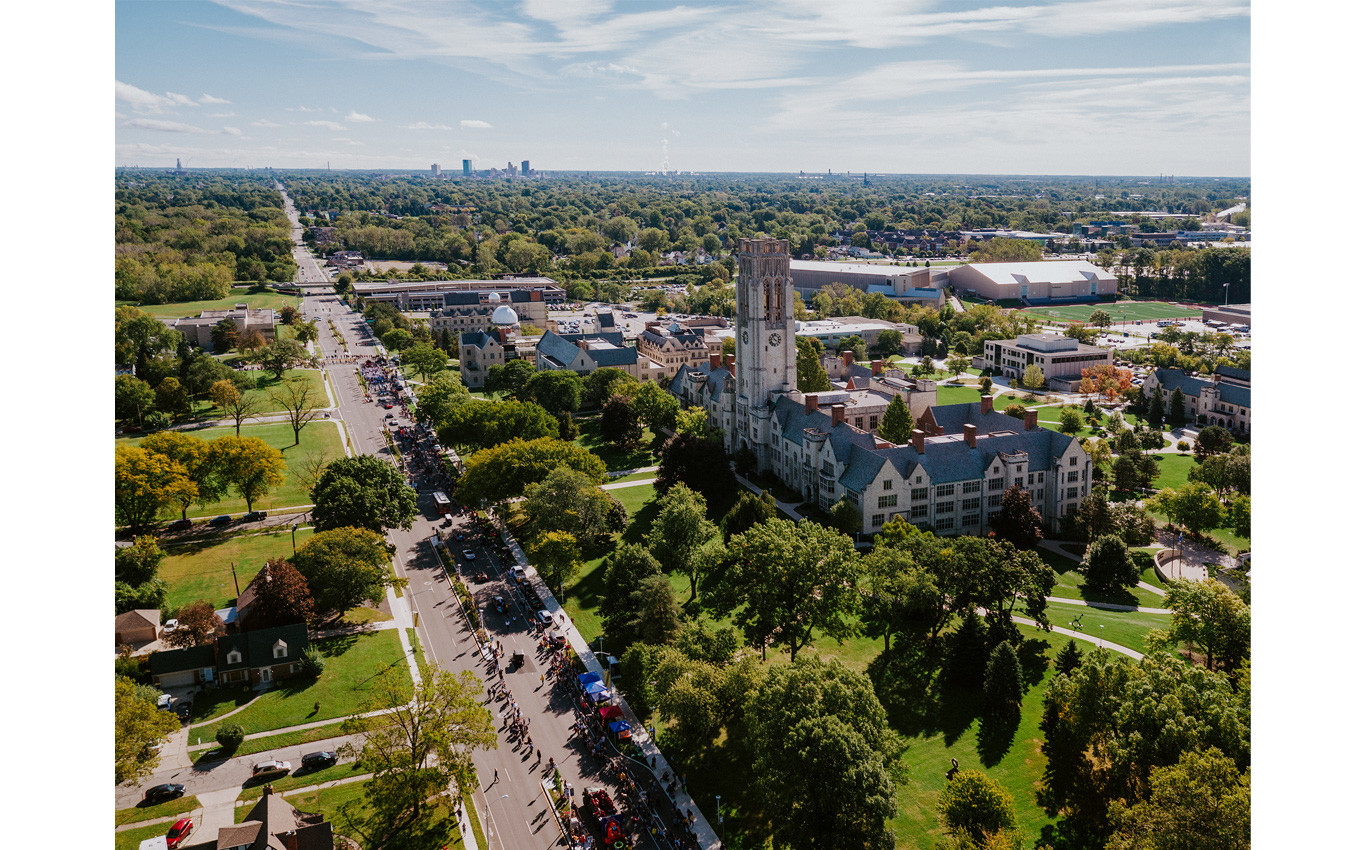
[
  {"x": 312, "y": 663},
  {"x": 1183, "y": 446},
  {"x": 229, "y": 736}
]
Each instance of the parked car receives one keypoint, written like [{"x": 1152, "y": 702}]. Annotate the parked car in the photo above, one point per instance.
[
  {"x": 318, "y": 760},
  {"x": 543, "y": 617},
  {"x": 179, "y": 831},
  {"x": 221, "y": 520},
  {"x": 274, "y": 767},
  {"x": 165, "y": 791},
  {"x": 469, "y": 554},
  {"x": 179, "y": 525},
  {"x": 254, "y": 516},
  {"x": 556, "y": 639}
]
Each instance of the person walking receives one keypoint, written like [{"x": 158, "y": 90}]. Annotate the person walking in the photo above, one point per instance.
[{"x": 495, "y": 776}]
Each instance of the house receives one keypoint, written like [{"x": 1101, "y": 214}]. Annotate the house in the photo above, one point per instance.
[
  {"x": 137, "y": 626},
  {"x": 273, "y": 824},
  {"x": 255, "y": 657}
]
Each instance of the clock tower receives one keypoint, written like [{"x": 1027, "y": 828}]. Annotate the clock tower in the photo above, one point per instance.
[{"x": 765, "y": 329}]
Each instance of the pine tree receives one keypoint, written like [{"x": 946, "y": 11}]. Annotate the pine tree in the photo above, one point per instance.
[
  {"x": 1068, "y": 658},
  {"x": 811, "y": 378},
  {"x": 1003, "y": 682},
  {"x": 1155, "y": 409},
  {"x": 1176, "y": 412},
  {"x": 967, "y": 654},
  {"x": 896, "y": 424}
]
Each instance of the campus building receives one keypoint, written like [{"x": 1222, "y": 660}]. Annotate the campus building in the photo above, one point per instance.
[
  {"x": 462, "y": 312},
  {"x": 907, "y": 285},
  {"x": 1035, "y": 283},
  {"x": 584, "y": 353},
  {"x": 199, "y": 329},
  {"x": 425, "y": 295},
  {"x": 949, "y": 478},
  {"x": 1223, "y": 399},
  {"x": 675, "y": 344},
  {"x": 1060, "y": 357}
]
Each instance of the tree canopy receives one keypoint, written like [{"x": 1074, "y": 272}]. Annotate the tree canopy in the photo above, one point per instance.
[
  {"x": 363, "y": 492},
  {"x": 139, "y": 724},
  {"x": 482, "y": 424},
  {"x": 504, "y": 471},
  {"x": 344, "y": 567}
]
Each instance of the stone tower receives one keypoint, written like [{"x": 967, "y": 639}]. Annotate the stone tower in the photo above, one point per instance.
[{"x": 765, "y": 329}]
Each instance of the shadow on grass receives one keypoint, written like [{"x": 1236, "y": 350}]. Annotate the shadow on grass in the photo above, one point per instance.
[
  {"x": 995, "y": 734},
  {"x": 1033, "y": 655}
]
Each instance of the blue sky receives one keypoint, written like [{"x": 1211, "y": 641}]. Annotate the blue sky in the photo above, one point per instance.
[{"x": 1001, "y": 86}]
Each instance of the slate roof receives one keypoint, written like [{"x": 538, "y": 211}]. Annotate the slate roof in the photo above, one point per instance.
[
  {"x": 561, "y": 348},
  {"x": 479, "y": 339},
  {"x": 1174, "y": 379},
  {"x": 255, "y": 647},
  {"x": 607, "y": 320},
  {"x": 1233, "y": 374},
  {"x": 793, "y": 420},
  {"x": 175, "y": 660}
]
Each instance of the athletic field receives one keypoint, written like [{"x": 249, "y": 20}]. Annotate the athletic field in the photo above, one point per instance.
[{"x": 1130, "y": 310}]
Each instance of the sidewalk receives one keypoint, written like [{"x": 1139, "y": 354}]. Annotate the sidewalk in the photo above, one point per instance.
[
  {"x": 1108, "y": 606},
  {"x": 1082, "y": 636},
  {"x": 706, "y": 835}
]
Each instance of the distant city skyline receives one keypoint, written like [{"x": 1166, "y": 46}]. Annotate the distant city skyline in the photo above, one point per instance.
[{"x": 1078, "y": 87}]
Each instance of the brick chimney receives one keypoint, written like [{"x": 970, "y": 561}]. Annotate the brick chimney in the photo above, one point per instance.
[
  {"x": 1031, "y": 419},
  {"x": 836, "y": 414},
  {"x": 730, "y": 363},
  {"x": 986, "y": 404},
  {"x": 811, "y": 402},
  {"x": 848, "y": 357},
  {"x": 876, "y": 367},
  {"x": 918, "y": 440},
  {"x": 970, "y": 435},
  {"x": 715, "y": 360}
]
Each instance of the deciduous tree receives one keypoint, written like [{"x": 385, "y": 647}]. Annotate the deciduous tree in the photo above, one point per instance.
[
  {"x": 569, "y": 501},
  {"x": 1212, "y": 619},
  {"x": 132, "y": 397},
  {"x": 749, "y": 511},
  {"x": 237, "y": 404},
  {"x": 198, "y": 625},
  {"x": 1203, "y": 802},
  {"x": 282, "y": 597},
  {"x": 1106, "y": 380},
  {"x": 425, "y": 359},
  {"x": 301, "y": 403},
  {"x": 657, "y": 615},
  {"x": 138, "y": 725},
  {"x": 556, "y": 556},
  {"x": 248, "y": 465},
  {"x": 344, "y": 567},
  {"x": 145, "y": 483},
  {"x": 172, "y": 398},
  {"x": 1034, "y": 377},
  {"x": 281, "y": 355},
  {"x": 787, "y": 581},
  {"x": 418, "y": 739},
  {"x": 620, "y": 425},
  {"x": 1107, "y": 565},
  {"x": 1018, "y": 522},
  {"x": 1192, "y": 505},
  {"x": 980, "y": 807},
  {"x": 1212, "y": 440},
  {"x": 363, "y": 492},
  {"x": 602, "y": 384},
  {"x": 811, "y": 378},
  {"x": 439, "y": 398},
  {"x": 200, "y": 463},
  {"x": 510, "y": 378},
  {"x": 504, "y": 471},
  {"x": 556, "y": 390},
  {"x": 679, "y": 532}
]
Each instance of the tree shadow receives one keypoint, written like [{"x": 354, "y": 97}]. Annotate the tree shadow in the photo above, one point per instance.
[
  {"x": 1033, "y": 655},
  {"x": 995, "y": 735},
  {"x": 905, "y": 681}
]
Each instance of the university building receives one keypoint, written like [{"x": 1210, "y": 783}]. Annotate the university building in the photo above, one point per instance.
[
  {"x": 1060, "y": 357},
  {"x": 949, "y": 478},
  {"x": 1223, "y": 399}
]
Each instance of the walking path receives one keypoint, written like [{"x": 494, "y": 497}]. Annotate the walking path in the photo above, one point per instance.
[
  {"x": 624, "y": 472},
  {"x": 622, "y": 484},
  {"x": 706, "y": 835},
  {"x": 1108, "y": 606},
  {"x": 1056, "y": 547},
  {"x": 1075, "y": 635}
]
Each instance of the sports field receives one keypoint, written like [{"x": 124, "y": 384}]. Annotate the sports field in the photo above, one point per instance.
[{"x": 1130, "y": 310}]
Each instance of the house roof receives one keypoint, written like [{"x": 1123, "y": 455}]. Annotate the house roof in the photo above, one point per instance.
[
  {"x": 176, "y": 660},
  {"x": 238, "y": 834},
  {"x": 1190, "y": 385},
  {"x": 274, "y": 817},
  {"x": 138, "y": 617},
  {"x": 257, "y": 646}
]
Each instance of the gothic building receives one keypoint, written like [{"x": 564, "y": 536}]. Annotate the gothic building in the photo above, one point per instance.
[{"x": 949, "y": 478}]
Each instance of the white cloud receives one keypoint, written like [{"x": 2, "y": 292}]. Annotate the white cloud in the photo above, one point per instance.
[
  {"x": 144, "y": 101},
  {"x": 475, "y": 124},
  {"x": 264, "y": 123},
  {"x": 222, "y": 114},
  {"x": 423, "y": 125},
  {"x": 208, "y": 98},
  {"x": 345, "y": 141},
  {"x": 357, "y": 118},
  {"x": 303, "y": 109},
  {"x": 162, "y": 126},
  {"x": 331, "y": 125},
  {"x": 232, "y": 131}
]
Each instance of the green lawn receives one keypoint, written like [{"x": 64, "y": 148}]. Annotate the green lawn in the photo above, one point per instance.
[
  {"x": 1131, "y": 311},
  {"x": 204, "y": 569},
  {"x": 590, "y": 438},
  {"x": 1173, "y": 469},
  {"x": 302, "y": 780},
  {"x": 262, "y": 744},
  {"x": 255, "y": 300},
  {"x": 1126, "y": 628},
  {"x": 316, "y": 438},
  {"x": 957, "y": 395},
  {"x": 129, "y": 839},
  {"x": 161, "y": 810},
  {"x": 351, "y": 663},
  {"x": 266, "y": 386},
  {"x": 328, "y": 802},
  {"x": 1004, "y": 400},
  {"x": 583, "y": 595},
  {"x": 634, "y": 476}
]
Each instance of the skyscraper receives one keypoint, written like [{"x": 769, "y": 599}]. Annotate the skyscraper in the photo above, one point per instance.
[
  {"x": 526, "y": 168},
  {"x": 468, "y": 167}
]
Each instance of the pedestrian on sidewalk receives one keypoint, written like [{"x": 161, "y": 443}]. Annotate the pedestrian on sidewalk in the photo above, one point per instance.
[{"x": 495, "y": 775}]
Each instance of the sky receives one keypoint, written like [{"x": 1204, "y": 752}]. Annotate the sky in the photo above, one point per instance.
[{"x": 889, "y": 86}]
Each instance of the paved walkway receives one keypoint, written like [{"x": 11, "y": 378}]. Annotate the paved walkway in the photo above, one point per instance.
[
  {"x": 622, "y": 484},
  {"x": 623, "y": 472},
  {"x": 1108, "y": 606},
  {"x": 1082, "y": 636}
]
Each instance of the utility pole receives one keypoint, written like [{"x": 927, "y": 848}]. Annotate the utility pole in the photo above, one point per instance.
[{"x": 233, "y": 566}]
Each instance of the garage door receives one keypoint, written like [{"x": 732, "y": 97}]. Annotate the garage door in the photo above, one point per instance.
[{"x": 177, "y": 680}]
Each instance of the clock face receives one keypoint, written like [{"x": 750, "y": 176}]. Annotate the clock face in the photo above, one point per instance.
[
  {"x": 774, "y": 339},
  {"x": 744, "y": 337}
]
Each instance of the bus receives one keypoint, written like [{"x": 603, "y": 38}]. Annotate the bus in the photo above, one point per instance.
[{"x": 443, "y": 503}]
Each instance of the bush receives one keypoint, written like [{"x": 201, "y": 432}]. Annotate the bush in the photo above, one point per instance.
[
  {"x": 229, "y": 736},
  {"x": 312, "y": 663},
  {"x": 1183, "y": 446}
]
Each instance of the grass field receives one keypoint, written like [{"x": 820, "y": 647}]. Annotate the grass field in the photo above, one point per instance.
[
  {"x": 178, "y": 806},
  {"x": 316, "y": 438},
  {"x": 209, "y": 754},
  {"x": 351, "y": 665},
  {"x": 957, "y": 395},
  {"x": 266, "y": 386},
  {"x": 328, "y": 802},
  {"x": 1173, "y": 470},
  {"x": 129, "y": 839},
  {"x": 255, "y": 300},
  {"x": 203, "y": 570},
  {"x": 1144, "y": 310},
  {"x": 590, "y": 438}
]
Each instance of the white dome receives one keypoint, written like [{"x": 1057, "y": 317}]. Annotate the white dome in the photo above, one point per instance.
[
  {"x": 495, "y": 298},
  {"x": 505, "y": 315}
]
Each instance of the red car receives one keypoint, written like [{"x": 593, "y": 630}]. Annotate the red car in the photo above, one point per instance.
[{"x": 180, "y": 830}]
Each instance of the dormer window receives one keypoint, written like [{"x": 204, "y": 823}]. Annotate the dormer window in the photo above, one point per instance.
[
  {"x": 280, "y": 650},
  {"x": 234, "y": 657}
]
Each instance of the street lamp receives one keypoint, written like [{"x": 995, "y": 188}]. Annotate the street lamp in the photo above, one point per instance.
[{"x": 293, "y": 528}]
